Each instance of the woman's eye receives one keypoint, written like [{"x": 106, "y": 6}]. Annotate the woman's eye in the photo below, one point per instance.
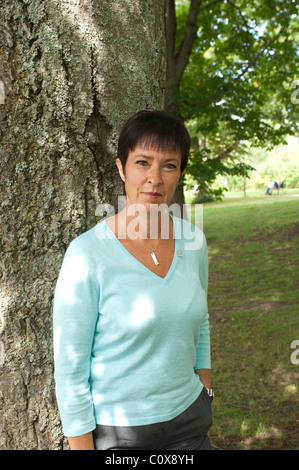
[{"x": 170, "y": 166}]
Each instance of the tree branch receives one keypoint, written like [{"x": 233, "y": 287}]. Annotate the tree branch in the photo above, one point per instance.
[
  {"x": 170, "y": 36},
  {"x": 184, "y": 50},
  {"x": 250, "y": 64},
  {"x": 209, "y": 5},
  {"x": 170, "y": 25},
  {"x": 228, "y": 151},
  {"x": 233, "y": 5},
  {"x": 176, "y": 63}
]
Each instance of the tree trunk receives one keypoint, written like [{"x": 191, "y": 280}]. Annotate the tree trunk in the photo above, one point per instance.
[
  {"x": 176, "y": 64},
  {"x": 72, "y": 71}
]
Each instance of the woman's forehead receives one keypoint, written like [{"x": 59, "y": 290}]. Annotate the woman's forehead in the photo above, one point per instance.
[
  {"x": 153, "y": 152},
  {"x": 156, "y": 144}
]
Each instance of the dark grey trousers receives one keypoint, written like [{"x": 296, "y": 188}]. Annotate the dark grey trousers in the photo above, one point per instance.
[{"x": 186, "y": 431}]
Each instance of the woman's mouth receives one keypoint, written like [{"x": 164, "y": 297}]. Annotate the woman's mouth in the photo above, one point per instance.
[{"x": 152, "y": 195}]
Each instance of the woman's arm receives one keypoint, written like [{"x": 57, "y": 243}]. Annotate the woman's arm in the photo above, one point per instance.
[
  {"x": 204, "y": 375},
  {"x": 203, "y": 350},
  {"x": 84, "y": 442},
  {"x": 75, "y": 315}
]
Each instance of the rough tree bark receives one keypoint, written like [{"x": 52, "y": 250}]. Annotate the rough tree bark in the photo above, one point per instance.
[{"x": 72, "y": 71}]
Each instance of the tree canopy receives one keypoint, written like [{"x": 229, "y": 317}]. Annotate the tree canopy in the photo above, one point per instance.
[{"x": 232, "y": 65}]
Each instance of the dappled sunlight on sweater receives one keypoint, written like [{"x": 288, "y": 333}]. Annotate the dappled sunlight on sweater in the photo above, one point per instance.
[{"x": 142, "y": 311}]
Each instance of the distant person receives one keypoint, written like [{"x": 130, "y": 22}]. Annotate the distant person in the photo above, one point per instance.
[
  {"x": 281, "y": 184},
  {"x": 269, "y": 188},
  {"x": 276, "y": 186},
  {"x": 195, "y": 189}
]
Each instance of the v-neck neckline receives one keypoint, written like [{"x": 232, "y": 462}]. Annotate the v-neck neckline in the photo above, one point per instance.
[{"x": 141, "y": 265}]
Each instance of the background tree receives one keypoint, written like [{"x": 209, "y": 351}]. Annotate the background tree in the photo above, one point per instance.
[
  {"x": 72, "y": 72},
  {"x": 230, "y": 69}
]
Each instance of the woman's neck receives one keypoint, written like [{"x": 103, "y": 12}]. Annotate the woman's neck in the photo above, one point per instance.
[{"x": 151, "y": 224}]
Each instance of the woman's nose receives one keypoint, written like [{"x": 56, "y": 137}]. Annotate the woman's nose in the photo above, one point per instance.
[{"x": 154, "y": 176}]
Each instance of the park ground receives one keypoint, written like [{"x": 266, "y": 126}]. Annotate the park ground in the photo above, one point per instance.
[{"x": 253, "y": 298}]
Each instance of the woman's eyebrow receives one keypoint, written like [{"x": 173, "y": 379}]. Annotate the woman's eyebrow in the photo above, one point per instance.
[{"x": 176, "y": 159}]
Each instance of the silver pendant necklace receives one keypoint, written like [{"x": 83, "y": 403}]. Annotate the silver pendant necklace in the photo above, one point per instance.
[{"x": 153, "y": 253}]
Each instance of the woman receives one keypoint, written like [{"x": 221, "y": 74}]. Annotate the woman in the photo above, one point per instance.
[{"x": 131, "y": 331}]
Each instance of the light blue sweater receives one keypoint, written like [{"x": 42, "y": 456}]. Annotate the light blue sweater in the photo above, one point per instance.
[{"x": 126, "y": 341}]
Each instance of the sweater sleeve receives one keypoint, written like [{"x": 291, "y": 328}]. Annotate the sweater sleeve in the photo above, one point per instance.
[
  {"x": 74, "y": 319},
  {"x": 203, "y": 353}
]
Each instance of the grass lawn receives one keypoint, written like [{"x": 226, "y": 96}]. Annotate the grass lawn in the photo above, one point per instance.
[{"x": 254, "y": 310}]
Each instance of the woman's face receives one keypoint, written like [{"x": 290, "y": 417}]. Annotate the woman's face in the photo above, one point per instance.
[{"x": 150, "y": 176}]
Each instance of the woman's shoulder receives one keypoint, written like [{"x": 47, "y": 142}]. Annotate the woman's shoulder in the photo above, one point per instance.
[
  {"x": 190, "y": 234},
  {"x": 87, "y": 241}
]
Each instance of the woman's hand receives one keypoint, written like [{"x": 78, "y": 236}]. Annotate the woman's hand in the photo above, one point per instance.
[
  {"x": 84, "y": 442},
  {"x": 204, "y": 375}
]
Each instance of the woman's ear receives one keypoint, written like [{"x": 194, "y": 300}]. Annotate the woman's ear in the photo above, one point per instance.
[{"x": 120, "y": 169}]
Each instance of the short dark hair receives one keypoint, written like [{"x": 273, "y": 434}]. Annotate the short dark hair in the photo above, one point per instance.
[{"x": 154, "y": 129}]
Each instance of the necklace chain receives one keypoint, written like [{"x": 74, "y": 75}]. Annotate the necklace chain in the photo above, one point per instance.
[{"x": 152, "y": 252}]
